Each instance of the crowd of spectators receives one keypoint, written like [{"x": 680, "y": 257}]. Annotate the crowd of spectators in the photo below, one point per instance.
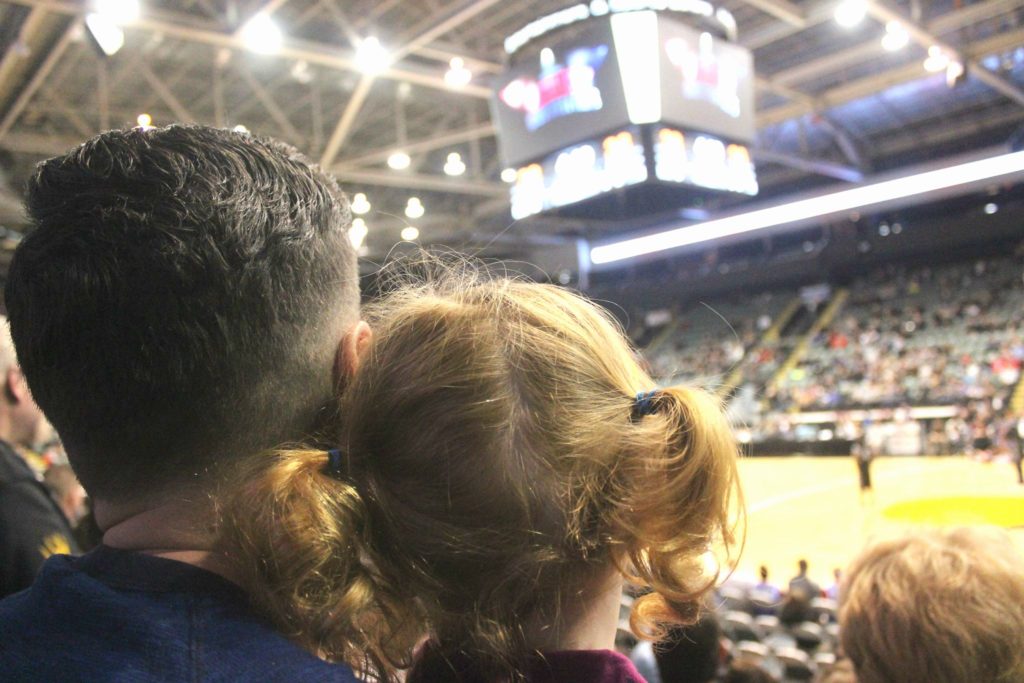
[{"x": 925, "y": 336}]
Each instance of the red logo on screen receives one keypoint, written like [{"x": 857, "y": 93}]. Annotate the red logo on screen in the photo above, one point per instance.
[
  {"x": 706, "y": 75},
  {"x": 560, "y": 89}
]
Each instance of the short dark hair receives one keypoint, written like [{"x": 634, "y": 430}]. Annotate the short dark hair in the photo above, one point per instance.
[
  {"x": 179, "y": 301},
  {"x": 691, "y": 654}
]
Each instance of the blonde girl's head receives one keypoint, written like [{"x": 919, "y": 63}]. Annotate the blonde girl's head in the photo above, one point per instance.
[{"x": 493, "y": 465}]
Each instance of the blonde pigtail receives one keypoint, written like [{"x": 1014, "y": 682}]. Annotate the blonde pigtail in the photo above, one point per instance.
[
  {"x": 680, "y": 502},
  {"x": 314, "y": 575}
]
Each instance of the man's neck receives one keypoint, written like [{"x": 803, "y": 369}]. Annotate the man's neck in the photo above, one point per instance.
[{"x": 180, "y": 528}]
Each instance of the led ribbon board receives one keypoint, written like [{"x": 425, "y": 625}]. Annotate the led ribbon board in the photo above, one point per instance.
[{"x": 873, "y": 194}]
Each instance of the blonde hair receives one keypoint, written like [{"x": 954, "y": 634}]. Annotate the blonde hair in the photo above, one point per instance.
[
  {"x": 493, "y": 469},
  {"x": 936, "y": 606}
]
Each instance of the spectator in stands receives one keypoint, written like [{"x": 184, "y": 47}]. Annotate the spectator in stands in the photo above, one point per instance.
[
  {"x": 765, "y": 596},
  {"x": 68, "y": 492},
  {"x": 936, "y": 606},
  {"x": 801, "y": 582},
  {"x": 1017, "y": 432},
  {"x": 32, "y": 527},
  {"x": 832, "y": 592},
  {"x": 498, "y": 473},
  {"x": 187, "y": 296},
  {"x": 692, "y": 654}
]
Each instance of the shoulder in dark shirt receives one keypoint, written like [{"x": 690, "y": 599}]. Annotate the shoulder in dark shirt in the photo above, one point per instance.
[
  {"x": 32, "y": 526},
  {"x": 114, "y": 615}
]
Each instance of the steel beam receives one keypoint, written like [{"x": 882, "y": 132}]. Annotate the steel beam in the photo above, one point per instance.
[
  {"x": 39, "y": 77},
  {"x": 421, "y": 182}
]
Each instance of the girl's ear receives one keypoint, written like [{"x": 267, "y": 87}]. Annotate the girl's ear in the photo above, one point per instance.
[{"x": 351, "y": 350}]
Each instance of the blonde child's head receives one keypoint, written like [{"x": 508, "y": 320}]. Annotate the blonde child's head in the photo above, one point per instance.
[{"x": 495, "y": 465}]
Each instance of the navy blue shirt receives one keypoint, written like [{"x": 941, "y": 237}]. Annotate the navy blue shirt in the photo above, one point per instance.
[{"x": 114, "y": 615}]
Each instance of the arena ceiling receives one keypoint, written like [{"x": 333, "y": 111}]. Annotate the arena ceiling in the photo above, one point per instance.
[{"x": 832, "y": 104}]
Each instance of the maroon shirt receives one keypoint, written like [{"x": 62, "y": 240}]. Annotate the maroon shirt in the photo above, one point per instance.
[{"x": 570, "y": 666}]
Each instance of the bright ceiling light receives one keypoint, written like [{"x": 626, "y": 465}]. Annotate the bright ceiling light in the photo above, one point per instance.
[
  {"x": 937, "y": 59},
  {"x": 261, "y": 34},
  {"x": 119, "y": 11},
  {"x": 357, "y": 233},
  {"x": 849, "y": 13},
  {"x": 896, "y": 37},
  {"x": 414, "y": 208},
  {"x": 454, "y": 165},
  {"x": 240, "y": 129},
  {"x": 815, "y": 207},
  {"x": 360, "y": 204},
  {"x": 509, "y": 175},
  {"x": 410, "y": 233},
  {"x": 458, "y": 76},
  {"x": 991, "y": 208},
  {"x": 108, "y": 35},
  {"x": 399, "y": 161},
  {"x": 371, "y": 57},
  {"x": 144, "y": 120}
]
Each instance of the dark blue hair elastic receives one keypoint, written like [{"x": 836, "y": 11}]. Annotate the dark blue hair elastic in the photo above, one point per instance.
[
  {"x": 645, "y": 403},
  {"x": 335, "y": 463}
]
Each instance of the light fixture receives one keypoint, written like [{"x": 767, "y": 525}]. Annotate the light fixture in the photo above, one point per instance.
[
  {"x": 896, "y": 37},
  {"x": 357, "y": 232},
  {"x": 301, "y": 73},
  {"x": 991, "y": 208},
  {"x": 458, "y": 76},
  {"x": 118, "y": 11},
  {"x": 360, "y": 204},
  {"x": 261, "y": 34},
  {"x": 144, "y": 121},
  {"x": 509, "y": 175},
  {"x": 849, "y": 13},
  {"x": 410, "y": 233},
  {"x": 454, "y": 165},
  {"x": 107, "y": 35},
  {"x": 240, "y": 129},
  {"x": 842, "y": 201},
  {"x": 399, "y": 160},
  {"x": 414, "y": 208},
  {"x": 937, "y": 59},
  {"x": 371, "y": 58}
]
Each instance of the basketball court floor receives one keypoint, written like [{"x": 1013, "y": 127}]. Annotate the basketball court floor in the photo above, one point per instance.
[{"x": 811, "y": 507}]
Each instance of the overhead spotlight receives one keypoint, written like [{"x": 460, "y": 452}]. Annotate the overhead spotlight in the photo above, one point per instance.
[
  {"x": 849, "y": 13},
  {"x": 896, "y": 37},
  {"x": 357, "y": 233},
  {"x": 509, "y": 175},
  {"x": 261, "y": 34},
  {"x": 883, "y": 229},
  {"x": 410, "y": 233},
  {"x": 105, "y": 33},
  {"x": 360, "y": 204},
  {"x": 897, "y": 228},
  {"x": 414, "y": 208},
  {"x": 991, "y": 208},
  {"x": 240, "y": 129},
  {"x": 956, "y": 73},
  {"x": 371, "y": 57},
  {"x": 454, "y": 166},
  {"x": 937, "y": 59},
  {"x": 144, "y": 121},
  {"x": 399, "y": 160},
  {"x": 118, "y": 11},
  {"x": 457, "y": 76},
  {"x": 301, "y": 73}
]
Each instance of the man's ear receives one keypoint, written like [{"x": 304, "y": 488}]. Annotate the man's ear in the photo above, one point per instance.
[
  {"x": 15, "y": 385},
  {"x": 351, "y": 349}
]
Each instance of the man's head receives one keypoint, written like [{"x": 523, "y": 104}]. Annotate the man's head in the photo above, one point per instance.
[
  {"x": 180, "y": 302},
  {"x": 802, "y": 564},
  {"x": 21, "y": 421},
  {"x": 938, "y": 606}
]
